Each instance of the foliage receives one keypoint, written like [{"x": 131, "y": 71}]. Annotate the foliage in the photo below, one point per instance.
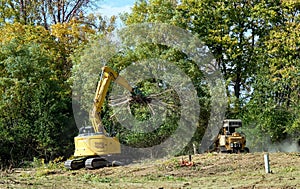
[
  {"x": 151, "y": 11},
  {"x": 275, "y": 101},
  {"x": 167, "y": 12},
  {"x": 34, "y": 105},
  {"x": 256, "y": 47},
  {"x": 37, "y": 40},
  {"x": 44, "y": 13}
]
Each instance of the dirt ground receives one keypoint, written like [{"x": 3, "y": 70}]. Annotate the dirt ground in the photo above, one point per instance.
[{"x": 208, "y": 171}]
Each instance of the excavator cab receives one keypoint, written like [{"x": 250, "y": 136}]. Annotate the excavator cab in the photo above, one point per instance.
[{"x": 86, "y": 131}]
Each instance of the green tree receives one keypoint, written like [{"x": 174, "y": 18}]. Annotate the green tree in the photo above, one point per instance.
[
  {"x": 43, "y": 12},
  {"x": 151, "y": 11},
  {"x": 35, "y": 113},
  {"x": 256, "y": 46},
  {"x": 231, "y": 29},
  {"x": 275, "y": 101},
  {"x": 166, "y": 12},
  {"x": 40, "y": 111}
]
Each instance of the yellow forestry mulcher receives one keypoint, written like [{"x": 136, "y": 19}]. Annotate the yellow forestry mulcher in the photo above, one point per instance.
[{"x": 229, "y": 140}]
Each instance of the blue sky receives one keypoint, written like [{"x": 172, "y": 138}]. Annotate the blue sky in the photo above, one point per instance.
[{"x": 115, "y": 7}]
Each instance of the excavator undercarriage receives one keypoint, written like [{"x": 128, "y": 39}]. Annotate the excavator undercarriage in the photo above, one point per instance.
[
  {"x": 90, "y": 163},
  {"x": 92, "y": 149}
]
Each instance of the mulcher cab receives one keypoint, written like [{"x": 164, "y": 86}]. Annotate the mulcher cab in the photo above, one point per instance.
[{"x": 93, "y": 143}]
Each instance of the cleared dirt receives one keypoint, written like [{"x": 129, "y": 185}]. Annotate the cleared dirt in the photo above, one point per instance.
[{"x": 209, "y": 171}]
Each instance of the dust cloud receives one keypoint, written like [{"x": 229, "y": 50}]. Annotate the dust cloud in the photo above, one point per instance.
[{"x": 284, "y": 146}]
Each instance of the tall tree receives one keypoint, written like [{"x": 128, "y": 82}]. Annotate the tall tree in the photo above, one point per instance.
[
  {"x": 256, "y": 46},
  {"x": 275, "y": 101},
  {"x": 36, "y": 118},
  {"x": 160, "y": 11},
  {"x": 151, "y": 11},
  {"x": 231, "y": 29},
  {"x": 45, "y": 12}
]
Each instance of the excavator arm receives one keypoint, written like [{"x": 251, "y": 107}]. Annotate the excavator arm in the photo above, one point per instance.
[
  {"x": 107, "y": 76},
  {"x": 90, "y": 146}
]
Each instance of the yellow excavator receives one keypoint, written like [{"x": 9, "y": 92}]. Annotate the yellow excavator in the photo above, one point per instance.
[{"x": 93, "y": 143}]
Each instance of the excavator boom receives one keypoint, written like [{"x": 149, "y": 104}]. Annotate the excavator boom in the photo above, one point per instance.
[
  {"x": 93, "y": 143},
  {"x": 107, "y": 76}
]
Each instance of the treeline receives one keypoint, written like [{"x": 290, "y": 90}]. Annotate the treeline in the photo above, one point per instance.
[
  {"x": 257, "y": 46},
  {"x": 255, "y": 43},
  {"x": 37, "y": 40}
]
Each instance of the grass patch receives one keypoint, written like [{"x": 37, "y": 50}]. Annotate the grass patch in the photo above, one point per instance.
[
  {"x": 210, "y": 171},
  {"x": 95, "y": 178}
]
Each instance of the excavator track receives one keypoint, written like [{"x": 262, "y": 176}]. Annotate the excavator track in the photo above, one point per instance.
[
  {"x": 96, "y": 163},
  {"x": 90, "y": 163},
  {"x": 75, "y": 164}
]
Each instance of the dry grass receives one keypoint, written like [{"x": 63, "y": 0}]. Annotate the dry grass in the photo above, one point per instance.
[{"x": 209, "y": 171}]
